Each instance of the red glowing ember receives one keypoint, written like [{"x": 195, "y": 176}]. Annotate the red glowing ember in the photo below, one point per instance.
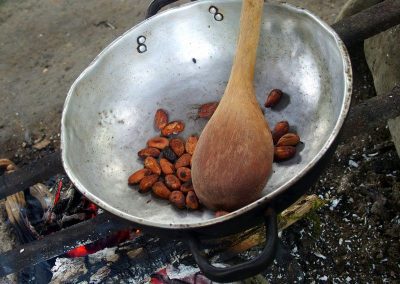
[
  {"x": 78, "y": 252},
  {"x": 91, "y": 208},
  {"x": 58, "y": 193},
  {"x": 110, "y": 241},
  {"x": 160, "y": 277}
]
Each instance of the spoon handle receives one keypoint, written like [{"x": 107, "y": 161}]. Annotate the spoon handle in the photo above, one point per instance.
[{"x": 249, "y": 34}]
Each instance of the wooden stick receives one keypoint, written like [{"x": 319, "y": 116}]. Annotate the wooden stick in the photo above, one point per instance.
[
  {"x": 298, "y": 210},
  {"x": 253, "y": 237}
]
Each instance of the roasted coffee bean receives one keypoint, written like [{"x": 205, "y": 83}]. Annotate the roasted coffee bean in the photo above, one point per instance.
[
  {"x": 174, "y": 127},
  {"x": 177, "y": 146},
  {"x": 147, "y": 182},
  {"x": 192, "y": 201},
  {"x": 161, "y": 190},
  {"x": 168, "y": 154},
  {"x": 152, "y": 164},
  {"x": 191, "y": 143},
  {"x": 172, "y": 182},
  {"x": 178, "y": 199},
  {"x": 166, "y": 166},
  {"x": 289, "y": 139},
  {"x": 149, "y": 152},
  {"x": 186, "y": 187},
  {"x": 273, "y": 98},
  {"x": 158, "y": 142},
  {"x": 207, "y": 110},
  {"x": 280, "y": 129},
  {"x": 283, "y": 153},
  {"x": 184, "y": 174},
  {"x": 160, "y": 119},
  {"x": 183, "y": 161},
  {"x": 137, "y": 176}
]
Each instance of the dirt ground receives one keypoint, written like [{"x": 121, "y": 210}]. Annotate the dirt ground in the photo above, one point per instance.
[{"x": 45, "y": 44}]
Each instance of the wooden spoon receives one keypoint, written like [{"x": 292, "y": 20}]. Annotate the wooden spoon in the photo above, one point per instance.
[{"x": 234, "y": 155}]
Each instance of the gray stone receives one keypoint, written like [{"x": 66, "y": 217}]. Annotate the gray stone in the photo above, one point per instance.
[
  {"x": 394, "y": 127},
  {"x": 383, "y": 56},
  {"x": 382, "y": 53},
  {"x": 354, "y": 6}
]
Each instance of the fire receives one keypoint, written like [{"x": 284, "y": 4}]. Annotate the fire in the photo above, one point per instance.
[
  {"x": 110, "y": 241},
  {"x": 159, "y": 277},
  {"x": 78, "y": 252},
  {"x": 58, "y": 192},
  {"x": 92, "y": 208},
  {"x": 91, "y": 212}
]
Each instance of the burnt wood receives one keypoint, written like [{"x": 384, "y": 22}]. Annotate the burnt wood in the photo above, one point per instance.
[
  {"x": 370, "y": 114},
  {"x": 369, "y": 22},
  {"x": 35, "y": 172},
  {"x": 60, "y": 242}
]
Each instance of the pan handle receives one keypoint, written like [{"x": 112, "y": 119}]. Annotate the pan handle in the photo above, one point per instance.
[
  {"x": 157, "y": 5},
  {"x": 246, "y": 269}
]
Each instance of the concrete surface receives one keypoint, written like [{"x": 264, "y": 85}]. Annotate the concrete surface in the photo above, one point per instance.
[{"x": 46, "y": 44}]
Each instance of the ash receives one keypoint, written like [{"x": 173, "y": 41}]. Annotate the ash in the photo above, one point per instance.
[{"x": 354, "y": 238}]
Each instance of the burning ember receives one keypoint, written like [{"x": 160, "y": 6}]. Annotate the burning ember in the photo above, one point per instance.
[
  {"x": 45, "y": 209},
  {"x": 55, "y": 205},
  {"x": 111, "y": 241}
]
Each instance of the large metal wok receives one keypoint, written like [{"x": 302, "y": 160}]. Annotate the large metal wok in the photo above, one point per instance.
[{"x": 177, "y": 60}]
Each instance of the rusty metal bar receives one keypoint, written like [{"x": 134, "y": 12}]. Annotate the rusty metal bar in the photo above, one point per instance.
[
  {"x": 60, "y": 242},
  {"x": 369, "y": 22}
]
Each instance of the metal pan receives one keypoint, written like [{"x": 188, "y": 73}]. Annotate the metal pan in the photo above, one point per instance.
[{"x": 177, "y": 60}]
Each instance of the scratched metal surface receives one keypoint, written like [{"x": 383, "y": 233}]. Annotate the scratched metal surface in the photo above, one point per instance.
[{"x": 108, "y": 114}]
